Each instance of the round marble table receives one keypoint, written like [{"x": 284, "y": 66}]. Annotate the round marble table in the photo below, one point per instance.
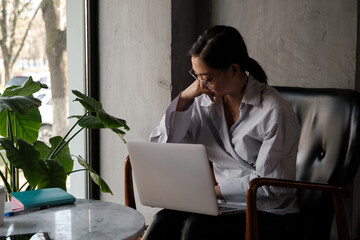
[{"x": 86, "y": 219}]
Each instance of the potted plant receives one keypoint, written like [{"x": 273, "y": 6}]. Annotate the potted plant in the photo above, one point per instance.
[{"x": 45, "y": 166}]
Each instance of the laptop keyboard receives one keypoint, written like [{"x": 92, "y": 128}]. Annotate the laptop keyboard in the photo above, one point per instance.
[
  {"x": 223, "y": 207},
  {"x": 227, "y": 209}
]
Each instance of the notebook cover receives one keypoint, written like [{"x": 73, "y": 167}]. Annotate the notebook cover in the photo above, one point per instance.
[{"x": 41, "y": 198}]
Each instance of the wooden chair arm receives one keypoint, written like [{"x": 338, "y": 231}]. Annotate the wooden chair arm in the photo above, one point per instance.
[
  {"x": 129, "y": 188},
  {"x": 338, "y": 193}
]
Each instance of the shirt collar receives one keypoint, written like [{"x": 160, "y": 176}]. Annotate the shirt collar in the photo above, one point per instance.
[{"x": 253, "y": 92}]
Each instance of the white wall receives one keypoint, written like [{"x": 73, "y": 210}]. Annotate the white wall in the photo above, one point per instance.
[{"x": 134, "y": 38}]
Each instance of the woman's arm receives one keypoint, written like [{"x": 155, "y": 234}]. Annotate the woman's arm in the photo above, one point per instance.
[
  {"x": 190, "y": 93},
  {"x": 276, "y": 159}
]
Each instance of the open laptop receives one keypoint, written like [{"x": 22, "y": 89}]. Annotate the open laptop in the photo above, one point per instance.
[{"x": 176, "y": 176}]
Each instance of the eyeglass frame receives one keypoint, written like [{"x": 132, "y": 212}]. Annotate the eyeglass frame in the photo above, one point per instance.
[{"x": 206, "y": 82}]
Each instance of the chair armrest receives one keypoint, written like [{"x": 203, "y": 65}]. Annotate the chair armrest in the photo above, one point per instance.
[
  {"x": 129, "y": 188},
  {"x": 338, "y": 193}
]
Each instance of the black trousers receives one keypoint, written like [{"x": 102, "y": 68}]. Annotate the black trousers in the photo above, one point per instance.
[{"x": 170, "y": 224}]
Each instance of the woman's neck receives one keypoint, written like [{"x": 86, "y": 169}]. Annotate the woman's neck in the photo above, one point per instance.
[
  {"x": 234, "y": 97},
  {"x": 233, "y": 100}
]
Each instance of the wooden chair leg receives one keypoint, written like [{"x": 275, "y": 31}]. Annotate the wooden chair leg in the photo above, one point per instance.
[
  {"x": 341, "y": 223},
  {"x": 251, "y": 232},
  {"x": 129, "y": 188}
]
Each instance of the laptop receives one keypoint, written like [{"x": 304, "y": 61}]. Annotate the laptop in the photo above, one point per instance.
[{"x": 176, "y": 176}]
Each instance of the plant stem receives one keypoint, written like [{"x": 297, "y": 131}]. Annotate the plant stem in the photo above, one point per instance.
[
  {"x": 61, "y": 144},
  {"x": 23, "y": 186},
  {"x": 16, "y": 170},
  {"x": 76, "y": 171},
  {"x": 13, "y": 176},
  {"x": 5, "y": 163},
  {"x": 56, "y": 151},
  {"x": 8, "y": 187},
  {"x": 9, "y": 127}
]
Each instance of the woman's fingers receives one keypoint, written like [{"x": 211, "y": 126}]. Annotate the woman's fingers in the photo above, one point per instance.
[{"x": 196, "y": 89}]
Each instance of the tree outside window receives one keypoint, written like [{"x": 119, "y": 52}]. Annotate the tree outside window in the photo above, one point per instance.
[{"x": 33, "y": 43}]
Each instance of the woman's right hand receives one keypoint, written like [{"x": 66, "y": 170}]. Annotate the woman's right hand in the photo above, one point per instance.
[{"x": 196, "y": 89}]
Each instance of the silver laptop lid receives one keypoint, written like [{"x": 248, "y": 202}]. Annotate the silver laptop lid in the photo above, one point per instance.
[{"x": 173, "y": 176}]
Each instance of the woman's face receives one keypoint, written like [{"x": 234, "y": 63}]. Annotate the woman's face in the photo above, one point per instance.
[{"x": 218, "y": 81}]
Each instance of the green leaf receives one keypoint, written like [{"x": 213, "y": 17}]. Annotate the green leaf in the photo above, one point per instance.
[
  {"x": 95, "y": 177},
  {"x": 19, "y": 104},
  {"x": 89, "y": 122},
  {"x": 63, "y": 157},
  {"x": 52, "y": 175},
  {"x": 27, "y": 89},
  {"x": 25, "y": 126},
  {"x": 106, "y": 119},
  {"x": 110, "y": 121},
  {"x": 23, "y": 110},
  {"x": 120, "y": 133},
  {"x": 88, "y": 103},
  {"x": 26, "y": 157}
]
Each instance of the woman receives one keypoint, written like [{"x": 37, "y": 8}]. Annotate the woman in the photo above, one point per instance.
[{"x": 248, "y": 130}]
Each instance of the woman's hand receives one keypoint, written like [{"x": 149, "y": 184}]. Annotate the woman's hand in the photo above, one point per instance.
[
  {"x": 218, "y": 192},
  {"x": 196, "y": 89}
]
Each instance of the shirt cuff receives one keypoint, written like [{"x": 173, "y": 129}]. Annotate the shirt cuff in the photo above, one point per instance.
[
  {"x": 234, "y": 190},
  {"x": 177, "y": 123}
]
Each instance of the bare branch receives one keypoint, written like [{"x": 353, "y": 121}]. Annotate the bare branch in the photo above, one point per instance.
[
  {"x": 3, "y": 21},
  {"x": 24, "y": 37},
  {"x": 24, "y": 6},
  {"x": 13, "y": 23}
]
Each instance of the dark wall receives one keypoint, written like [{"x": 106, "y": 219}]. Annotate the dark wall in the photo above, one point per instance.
[{"x": 298, "y": 43}]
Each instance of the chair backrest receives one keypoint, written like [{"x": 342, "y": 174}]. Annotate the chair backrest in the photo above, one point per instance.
[{"x": 329, "y": 147}]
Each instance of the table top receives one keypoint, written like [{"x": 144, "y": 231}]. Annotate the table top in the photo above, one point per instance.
[{"x": 86, "y": 219}]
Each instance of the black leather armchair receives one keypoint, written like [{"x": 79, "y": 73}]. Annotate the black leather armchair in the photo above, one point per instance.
[{"x": 328, "y": 159}]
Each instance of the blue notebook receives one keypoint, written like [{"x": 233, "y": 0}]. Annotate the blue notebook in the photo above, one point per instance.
[{"x": 41, "y": 198}]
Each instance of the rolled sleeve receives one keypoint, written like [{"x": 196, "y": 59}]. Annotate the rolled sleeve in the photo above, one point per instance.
[
  {"x": 174, "y": 125},
  {"x": 235, "y": 189}
]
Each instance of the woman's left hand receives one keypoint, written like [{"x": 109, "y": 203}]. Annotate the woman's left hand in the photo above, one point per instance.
[{"x": 218, "y": 192}]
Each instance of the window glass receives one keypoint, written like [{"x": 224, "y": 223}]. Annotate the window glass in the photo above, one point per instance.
[{"x": 33, "y": 43}]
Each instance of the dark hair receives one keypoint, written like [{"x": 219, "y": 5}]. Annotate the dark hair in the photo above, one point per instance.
[{"x": 221, "y": 46}]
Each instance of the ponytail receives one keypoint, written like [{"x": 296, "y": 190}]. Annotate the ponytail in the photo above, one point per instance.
[{"x": 254, "y": 68}]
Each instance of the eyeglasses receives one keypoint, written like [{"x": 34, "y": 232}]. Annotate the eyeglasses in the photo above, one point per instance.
[{"x": 206, "y": 82}]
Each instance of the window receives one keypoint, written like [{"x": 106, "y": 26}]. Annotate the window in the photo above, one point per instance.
[{"x": 28, "y": 49}]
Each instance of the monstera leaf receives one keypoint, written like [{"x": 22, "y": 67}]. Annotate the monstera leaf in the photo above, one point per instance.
[
  {"x": 18, "y": 104},
  {"x": 52, "y": 175},
  {"x": 19, "y": 109},
  {"x": 102, "y": 119},
  {"x": 25, "y": 126},
  {"x": 27, "y": 89},
  {"x": 63, "y": 157},
  {"x": 95, "y": 177},
  {"x": 25, "y": 157},
  {"x": 45, "y": 166},
  {"x": 39, "y": 172}
]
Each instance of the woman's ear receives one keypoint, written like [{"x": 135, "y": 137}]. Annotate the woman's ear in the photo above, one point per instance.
[{"x": 235, "y": 68}]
